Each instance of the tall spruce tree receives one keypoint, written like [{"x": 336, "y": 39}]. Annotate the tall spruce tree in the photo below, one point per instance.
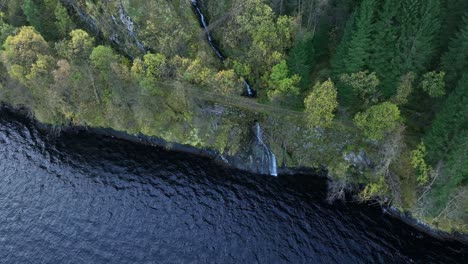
[
  {"x": 359, "y": 51},
  {"x": 449, "y": 122},
  {"x": 301, "y": 59},
  {"x": 420, "y": 24},
  {"x": 382, "y": 60},
  {"x": 454, "y": 174},
  {"x": 41, "y": 15},
  {"x": 354, "y": 50},
  {"x": 452, "y": 13},
  {"x": 338, "y": 63},
  {"x": 455, "y": 60}
]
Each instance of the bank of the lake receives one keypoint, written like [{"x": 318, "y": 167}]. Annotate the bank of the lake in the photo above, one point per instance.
[
  {"x": 79, "y": 196},
  {"x": 24, "y": 114}
]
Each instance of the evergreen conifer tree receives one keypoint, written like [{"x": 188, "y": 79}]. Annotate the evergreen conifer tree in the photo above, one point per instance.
[
  {"x": 382, "y": 60},
  {"x": 455, "y": 60},
  {"x": 359, "y": 51},
  {"x": 420, "y": 25},
  {"x": 338, "y": 63},
  {"x": 338, "y": 60},
  {"x": 448, "y": 123},
  {"x": 452, "y": 13},
  {"x": 301, "y": 60}
]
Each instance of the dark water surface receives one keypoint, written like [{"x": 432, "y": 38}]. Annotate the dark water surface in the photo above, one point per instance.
[{"x": 82, "y": 198}]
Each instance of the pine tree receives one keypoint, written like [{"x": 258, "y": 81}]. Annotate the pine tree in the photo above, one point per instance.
[
  {"x": 455, "y": 174},
  {"x": 448, "y": 123},
  {"x": 455, "y": 60},
  {"x": 358, "y": 52},
  {"x": 382, "y": 60},
  {"x": 301, "y": 60},
  {"x": 63, "y": 22},
  {"x": 420, "y": 24},
  {"x": 41, "y": 15},
  {"x": 338, "y": 64},
  {"x": 354, "y": 51},
  {"x": 452, "y": 13},
  {"x": 338, "y": 61}
]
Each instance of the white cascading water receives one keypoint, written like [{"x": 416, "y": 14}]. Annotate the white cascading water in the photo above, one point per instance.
[
  {"x": 247, "y": 87},
  {"x": 271, "y": 157},
  {"x": 205, "y": 27},
  {"x": 273, "y": 169},
  {"x": 196, "y": 5}
]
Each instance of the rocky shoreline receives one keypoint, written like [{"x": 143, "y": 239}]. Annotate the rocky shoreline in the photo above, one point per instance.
[{"x": 391, "y": 211}]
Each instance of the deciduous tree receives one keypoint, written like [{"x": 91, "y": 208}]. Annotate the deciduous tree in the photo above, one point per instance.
[
  {"x": 404, "y": 90},
  {"x": 321, "y": 104},
  {"x": 363, "y": 84},
  {"x": 281, "y": 83},
  {"x": 78, "y": 48},
  {"x": 378, "y": 120},
  {"x": 433, "y": 84},
  {"x": 22, "y": 50}
]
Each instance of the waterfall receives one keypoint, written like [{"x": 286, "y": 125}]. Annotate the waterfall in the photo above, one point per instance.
[
  {"x": 204, "y": 24},
  {"x": 273, "y": 169},
  {"x": 248, "y": 89},
  {"x": 249, "y": 92},
  {"x": 270, "y": 157}
]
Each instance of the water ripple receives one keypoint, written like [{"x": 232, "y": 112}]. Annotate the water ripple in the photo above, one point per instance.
[{"x": 82, "y": 198}]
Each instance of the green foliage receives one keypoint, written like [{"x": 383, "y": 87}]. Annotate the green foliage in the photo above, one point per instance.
[
  {"x": 150, "y": 70},
  {"x": 363, "y": 84},
  {"x": 420, "y": 21},
  {"x": 404, "y": 90},
  {"x": 383, "y": 55},
  {"x": 433, "y": 84},
  {"x": 378, "y": 120},
  {"x": 49, "y": 17},
  {"x": 41, "y": 15},
  {"x": 419, "y": 164},
  {"x": 14, "y": 14},
  {"x": 42, "y": 67},
  {"x": 374, "y": 189},
  {"x": 138, "y": 69},
  {"x": 241, "y": 69},
  {"x": 22, "y": 50},
  {"x": 194, "y": 71},
  {"x": 226, "y": 82},
  {"x": 258, "y": 21},
  {"x": 339, "y": 170},
  {"x": 448, "y": 123},
  {"x": 321, "y": 104},
  {"x": 358, "y": 52},
  {"x": 5, "y": 29},
  {"x": 301, "y": 60},
  {"x": 156, "y": 65},
  {"x": 454, "y": 174},
  {"x": 101, "y": 57},
  {"x": 257, "y": 38},
  {"x": 281, "y": 84},
  {"x": 78, "y": 48},
  {"x": 338, "y": 63},
  {"x": 455, "y": 60},
  {"x": 63, "y": 22},
  {"x": 452, "y": 13}
]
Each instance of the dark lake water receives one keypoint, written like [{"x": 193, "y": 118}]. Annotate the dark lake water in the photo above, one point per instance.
[{"x": 84, "y": 198}]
